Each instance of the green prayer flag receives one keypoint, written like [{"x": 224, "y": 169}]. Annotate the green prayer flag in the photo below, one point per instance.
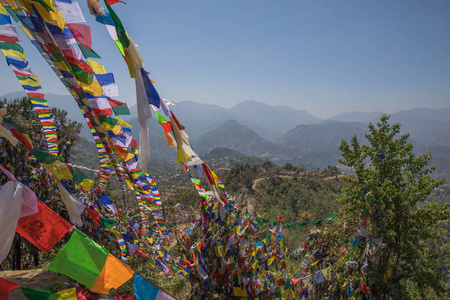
[
  {"x": 301, "y": 224},
  {"x": 33, "y": 294},
  {"x": 55, "y": 57},
  {"x": 26, "y": 77},
  {"x": 12, "y": 13},
  {"x": 289, "y": 225},
  {"x": 44, "y": 156},
  {"x": 120, "y": 30},
  {"x": 79, "y": 176},
  {"x": 11, "y": 46},
  {"x": 365, "y": 212},
  {"x": 261, "y": 220},
  {"x": 121, "y": 110},
  {"x": 331, "y": 217},
  {"x": 82, "y": 75},
  {"x": 13, "y": 124},
  {"x": 161, "y": 119},
  {"x": 317, "y": 222},
  {"x": 108, "y": 120},
  {"x": 88, "y": 53},
  {"x": 81, "y": 259},
  {"x": 108, "y": 222}
]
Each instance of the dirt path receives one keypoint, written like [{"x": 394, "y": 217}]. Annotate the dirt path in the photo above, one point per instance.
[
  {"x": 334, "y": 177},
  {"x": 36, "y": 279}
]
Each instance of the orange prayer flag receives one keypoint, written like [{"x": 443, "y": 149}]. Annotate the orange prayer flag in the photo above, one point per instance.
[{"x": 114, "y": 274}]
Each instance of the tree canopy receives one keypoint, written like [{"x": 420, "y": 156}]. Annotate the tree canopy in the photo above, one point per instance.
[{"x": 389, "y": 195}]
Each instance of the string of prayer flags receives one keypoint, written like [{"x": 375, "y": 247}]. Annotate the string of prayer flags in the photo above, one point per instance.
[
  {"x": 15, "y": 57},
  {"x": 90, "y": 264}
]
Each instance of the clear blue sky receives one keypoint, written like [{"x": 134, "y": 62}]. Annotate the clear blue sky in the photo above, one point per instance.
[{"x": 326, "y": 57}]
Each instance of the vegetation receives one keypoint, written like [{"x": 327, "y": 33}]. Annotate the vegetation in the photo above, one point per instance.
[
  {"x": 389, "y": 191},
  {"x": 391, "y": 195}
]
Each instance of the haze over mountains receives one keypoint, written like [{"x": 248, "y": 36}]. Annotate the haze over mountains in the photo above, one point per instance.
[{"x": 282, "y": 134}]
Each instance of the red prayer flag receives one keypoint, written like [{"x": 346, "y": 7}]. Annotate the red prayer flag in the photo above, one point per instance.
[
  {"x": 142, "y": 254},
  {"x": 363, "y": 288},
  {"x": 208, "y": 173},
  {"x": 5, "y": 287},
  {"x": 111, "y": 2},
  {"x": 167, "y": 126},
  {"x": 83, "y": 294},
  {"x": 176, "y": 121},
  {"x": 82, "y": 34},
  {"x": 294, "y": 281},
  {"x": 115, "y": 103},
  {"x": 23, "y": 139},
  {"x": 94, "y": 215},
  {"x": 8, "y": 39},
  {"x": 43, "y": 229}
]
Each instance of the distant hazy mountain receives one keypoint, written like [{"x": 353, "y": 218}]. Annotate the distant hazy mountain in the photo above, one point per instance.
[
  {"x": 280, "y": 133},
  {"x": 241, "y": 138},
  {"x": 276, "y": 118},
  {"x": 357, "y": 116},
  {"x": 270, "y": 122},
  {"x": 425, "y": 125},
  {"x": 316, "y": 145}
]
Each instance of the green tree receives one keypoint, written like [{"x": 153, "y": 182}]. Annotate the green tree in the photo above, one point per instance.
[{"x": 389, "y": 192}]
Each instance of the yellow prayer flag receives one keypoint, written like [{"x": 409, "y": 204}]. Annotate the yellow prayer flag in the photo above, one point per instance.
[
  {"x": 87, "y": 184},
  {"x": 34, "y": 81},
  {"x": 51, "y": 17},
  {"x": 96, "y": 67},
  {"x": 69, "y": 294},
  {"x": 15, "y": 54},
  {"x": 3, "y": 10},
  {"x": 216, "y": 179},
  {"x": 123, "y": 123},
  {"x": 61, "y": 65},
  {"x": 29, "y": 35},
  {"x": 116, "y": 129},
  {"x": 387, "y": 275},
  {"x": 238, "y": 292},
  {"x": 59, "y": 170},
  {"x": 327, "y": 273}
]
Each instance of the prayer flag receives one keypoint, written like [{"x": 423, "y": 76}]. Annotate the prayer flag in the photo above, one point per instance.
[
  {"x": 43, "y": 229},
  {"x": 82, "y": 179},
  {"x": 144, "y": 290},
  {"x": 107, "y": 202},
  {"x": 5, "y": 287},
  {"x": 33, "y": 294},
  {"x": 90, "y": 264},
  {"x": 69, "y": 294}
]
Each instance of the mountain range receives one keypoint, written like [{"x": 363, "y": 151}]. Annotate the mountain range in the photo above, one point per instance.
[{"x": 281, "y": 134}]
